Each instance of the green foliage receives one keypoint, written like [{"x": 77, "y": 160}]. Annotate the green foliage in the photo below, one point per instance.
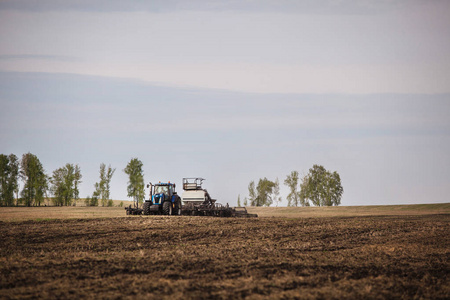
[
  {"x": 252, "y": 193},
  {"x": 4, "y": 174},
  {"x": 110, "y": 203},
  {"x": 9, "y": 175},
  {"x": 91, "y": 201},
  {"x": 109, "y": 174},
  {"x": 64, "y": 186},
  {"x": 94, "y": 200},
  {"x": 245, "y": 201},
  {"x": 239, "y": 201},
  {"x": 135, "y": 186},
  {"x": 103, "y": 187},
  {"x": 57, "y": 186},
  {"x": 35, "y": 181},
  {"x": 294, "y": 195},
  {"x": 276, "y": 192},
  {"x": 262, "y": 194},
  {"x": 76, "y": 182},
  {"x": 321, "y": 187},
  {"x": 121, "y": 204},
  {"x": 265, "y": 189}
]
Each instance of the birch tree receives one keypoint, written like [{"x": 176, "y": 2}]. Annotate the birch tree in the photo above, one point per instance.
[
  {"x": 35, "y": 180},
  {"x": 135, "y": 186}
]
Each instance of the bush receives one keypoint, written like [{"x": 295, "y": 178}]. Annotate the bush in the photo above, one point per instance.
[
  {"x": 91, "y": 201},
  {"x": 110, "y": 203}
]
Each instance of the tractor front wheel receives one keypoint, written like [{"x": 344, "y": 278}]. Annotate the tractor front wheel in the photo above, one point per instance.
[{"x": 167, "y": 208}]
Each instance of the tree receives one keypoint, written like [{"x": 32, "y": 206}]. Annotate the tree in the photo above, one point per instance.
[
  {"x": 57, "y": 186},
  {"x": 69, "y": 184},
  {"x": 4, "y": 173},
  {"x": 77, "y": 181},
  {"x": 135, "y": 186},
  {"x": 276, "y": 192},
  {"x": 109, "y": 175},
  {"x": 245, "y": 201},
  {"x": 65, "y": 182},
  {"x": 265, "y": 190},
  {"x": 321, "y": 187},
  {"x": 252, "y": 193},
  {"x": 239, "y": 201},
  {"x": 13, "y": 179},
  {"x": 35, "y": 181},
  {"x": 103, "y": 187},
  {"x": 9, "y": 175},
  {"x": 294, "y": 196},
  {"x": 262, "y": 194}
]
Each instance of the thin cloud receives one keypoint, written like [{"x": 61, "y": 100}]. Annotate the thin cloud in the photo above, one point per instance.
[
  {"x": 164, "y": 6},
  {"x": 101, "y": 102},
  {"x": 16, "y": 57},
  {"x": 401, "y": 52}
]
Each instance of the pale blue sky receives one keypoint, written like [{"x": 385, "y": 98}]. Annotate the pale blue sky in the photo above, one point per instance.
[{"x": 233, "y": 91}]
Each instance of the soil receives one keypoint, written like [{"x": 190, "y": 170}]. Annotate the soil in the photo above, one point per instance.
[{"x": 226, "y": 258}]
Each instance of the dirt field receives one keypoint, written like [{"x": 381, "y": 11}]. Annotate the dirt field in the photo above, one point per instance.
[{"x": 212, "y": 258}]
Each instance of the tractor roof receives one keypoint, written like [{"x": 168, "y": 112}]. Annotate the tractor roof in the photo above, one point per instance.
[{"x": 164, "y": 183}]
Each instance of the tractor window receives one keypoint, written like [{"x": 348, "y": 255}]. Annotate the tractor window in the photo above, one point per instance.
[{"x": 161, "y": 189}]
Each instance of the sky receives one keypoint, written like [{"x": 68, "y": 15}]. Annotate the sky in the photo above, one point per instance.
[{"x": 233, "y": 91}]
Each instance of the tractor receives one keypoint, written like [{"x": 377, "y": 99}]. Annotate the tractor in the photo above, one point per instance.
[{"x": 163, "y": 200}]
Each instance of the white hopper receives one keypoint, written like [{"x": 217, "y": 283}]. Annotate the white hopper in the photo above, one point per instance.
[{"x": 195, "y": 197}]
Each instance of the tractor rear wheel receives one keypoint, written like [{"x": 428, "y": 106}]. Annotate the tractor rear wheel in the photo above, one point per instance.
[
  {"x": 167, "y": 208},
  {"x": 146, "y": 208}
]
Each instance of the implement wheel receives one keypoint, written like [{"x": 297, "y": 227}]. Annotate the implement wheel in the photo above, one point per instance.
[
  {"x": 177, "y": 210},
  {"x": 167, "y": 208}
]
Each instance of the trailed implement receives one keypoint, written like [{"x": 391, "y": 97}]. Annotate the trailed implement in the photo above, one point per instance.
[{"x": 198, "y": 202}]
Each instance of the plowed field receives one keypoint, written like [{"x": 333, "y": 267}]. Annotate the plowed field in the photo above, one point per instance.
[{"x": 214, "y": 258}]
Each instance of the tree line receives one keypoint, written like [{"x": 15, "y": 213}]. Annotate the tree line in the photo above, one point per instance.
[
  {"x": 318, "y": 187},
  {"x": 62, "y": 185}
]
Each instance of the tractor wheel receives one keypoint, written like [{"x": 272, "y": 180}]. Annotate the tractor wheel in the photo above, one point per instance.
[
  {"x": 146, "y": 208},
  {"x": 167, "y": 208},
  {"x": 177, "y": 210}
]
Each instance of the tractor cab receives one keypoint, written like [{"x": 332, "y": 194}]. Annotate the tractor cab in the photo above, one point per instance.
[{"x": 161, "y": 192}]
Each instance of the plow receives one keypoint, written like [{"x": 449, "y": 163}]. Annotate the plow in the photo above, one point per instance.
[{"x": 195, "y": 201}]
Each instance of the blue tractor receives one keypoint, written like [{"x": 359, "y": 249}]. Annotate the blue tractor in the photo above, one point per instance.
[{"x": 163, "y": 200}]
